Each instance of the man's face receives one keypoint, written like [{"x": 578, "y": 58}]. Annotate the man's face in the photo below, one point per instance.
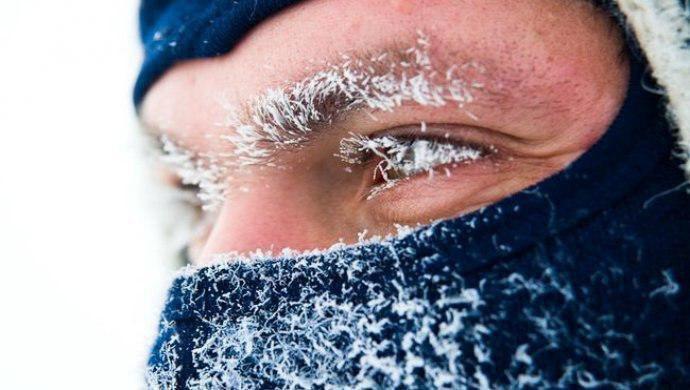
[{"x": 337, "y": 120}]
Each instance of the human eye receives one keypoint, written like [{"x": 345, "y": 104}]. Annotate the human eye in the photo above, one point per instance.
[
  {"x": 404, "y": 154},
  {"x": 192, "y": 191}
]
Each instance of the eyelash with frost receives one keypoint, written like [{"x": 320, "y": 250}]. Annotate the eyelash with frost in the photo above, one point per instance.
[
  {"x": 404, "y": 157},
  {"x": 197, "y": 171}
]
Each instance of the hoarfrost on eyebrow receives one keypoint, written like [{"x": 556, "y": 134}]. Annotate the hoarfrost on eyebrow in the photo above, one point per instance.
[{"x": 285, "y": 117}]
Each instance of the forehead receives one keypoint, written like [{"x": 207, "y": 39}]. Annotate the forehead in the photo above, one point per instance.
[{"x": 536, "y": 44}]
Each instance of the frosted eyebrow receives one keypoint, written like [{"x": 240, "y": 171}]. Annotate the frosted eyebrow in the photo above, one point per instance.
[{"x": 292, "y": 115}]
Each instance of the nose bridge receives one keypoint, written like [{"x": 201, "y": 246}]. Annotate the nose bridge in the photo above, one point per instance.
[{"x": 267, "y": 218}]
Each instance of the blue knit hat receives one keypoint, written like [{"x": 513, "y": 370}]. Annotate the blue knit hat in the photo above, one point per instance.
[{"x": 176, "y": 30}]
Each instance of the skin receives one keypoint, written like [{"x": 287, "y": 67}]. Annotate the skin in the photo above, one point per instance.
[{"x": 554, "y": 80}]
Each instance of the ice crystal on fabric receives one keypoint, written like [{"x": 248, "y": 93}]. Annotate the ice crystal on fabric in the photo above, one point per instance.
[{"x": 384, "y": 316}]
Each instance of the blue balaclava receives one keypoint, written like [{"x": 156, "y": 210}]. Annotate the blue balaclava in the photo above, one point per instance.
[{"x": 579, "y": 281}]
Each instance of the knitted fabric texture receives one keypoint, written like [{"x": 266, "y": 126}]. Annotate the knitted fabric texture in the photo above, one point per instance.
[{"x": 178, "y": 30}]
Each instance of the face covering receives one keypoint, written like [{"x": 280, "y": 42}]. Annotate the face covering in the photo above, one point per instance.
[{"x": 579, "y": 281}]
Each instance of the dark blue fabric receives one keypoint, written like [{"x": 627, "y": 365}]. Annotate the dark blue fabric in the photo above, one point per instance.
[
  {"x": 176, "y": 30},
  {"x": 587, "y": 272}
]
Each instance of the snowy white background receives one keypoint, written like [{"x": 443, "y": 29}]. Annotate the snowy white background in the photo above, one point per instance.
[{"x": 83, "y": 268}]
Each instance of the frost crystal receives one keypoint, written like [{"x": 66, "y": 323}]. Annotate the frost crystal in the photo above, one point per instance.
[
  {"x": 387, "y": 316},
  {"x": 406, "y": 157},
  {"x": 195, "y": 171},
  {"x": 284, "y": 118}
]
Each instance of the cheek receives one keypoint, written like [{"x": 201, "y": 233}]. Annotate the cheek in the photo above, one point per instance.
[
  {"x": 457, "y": 192},
  {"x": 405, "y": 7}
]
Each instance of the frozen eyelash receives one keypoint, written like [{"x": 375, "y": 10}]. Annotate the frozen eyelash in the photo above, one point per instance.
[
  {"x": 195, "y": 171},
  {"x": 403, "y": 157}
]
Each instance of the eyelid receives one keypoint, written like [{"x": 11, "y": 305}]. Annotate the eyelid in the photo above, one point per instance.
[
  {"x": 452, "y": 132},
  {"x": 465, "y": 139},
  {"x": 462, "y": 136},
  {"x": 411, "y": 146}
]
